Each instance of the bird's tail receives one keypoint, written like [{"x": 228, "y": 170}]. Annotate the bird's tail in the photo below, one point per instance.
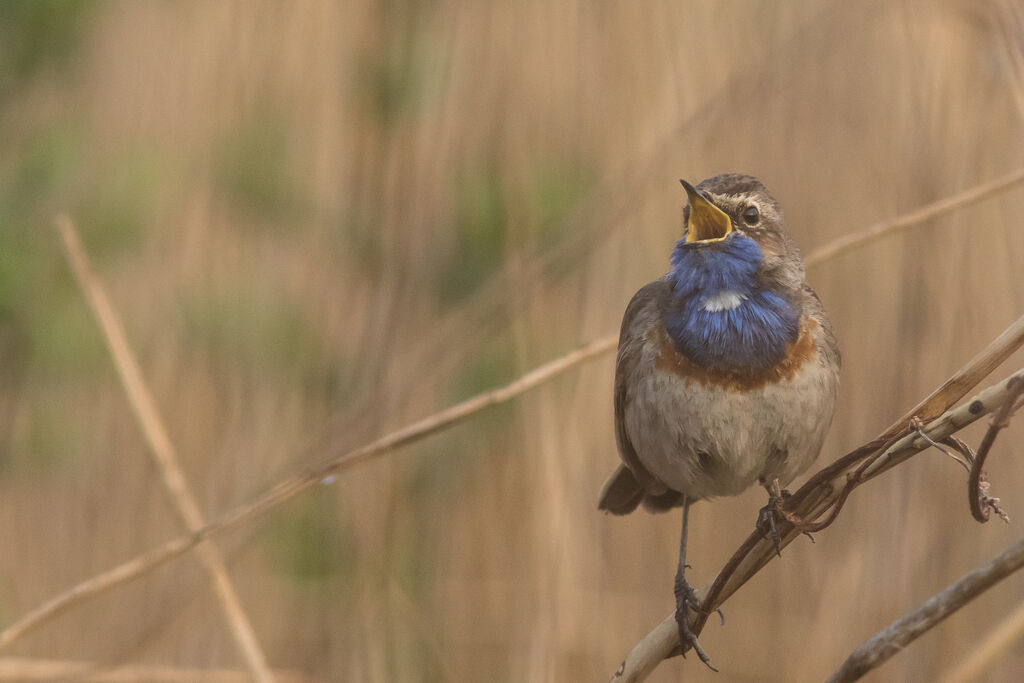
[{"x": 622, "y": 493}]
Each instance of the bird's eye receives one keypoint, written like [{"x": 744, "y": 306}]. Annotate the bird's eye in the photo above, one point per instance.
[{"x": 751, "y": 215}]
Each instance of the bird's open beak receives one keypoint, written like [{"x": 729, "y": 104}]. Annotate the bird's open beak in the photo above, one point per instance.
[{"x": 707, "y": 222}]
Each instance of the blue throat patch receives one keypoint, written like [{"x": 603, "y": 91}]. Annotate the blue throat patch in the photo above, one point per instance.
[{"x": 754, "y": 334}]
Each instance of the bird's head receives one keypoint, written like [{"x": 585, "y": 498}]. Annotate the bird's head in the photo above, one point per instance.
[
  {"x": 725, "y": 213},
  {"x": 736, "y": 277}
]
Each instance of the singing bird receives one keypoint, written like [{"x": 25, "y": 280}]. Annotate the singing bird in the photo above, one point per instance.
[{"x": 727, "y": 367}]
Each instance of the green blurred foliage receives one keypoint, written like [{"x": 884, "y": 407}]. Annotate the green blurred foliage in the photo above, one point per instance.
[
  {"x": 392, "y": 75},
  {"x": 113, "y": 213},
  {"x": 47, "y": 338},
  {"x": 308, "y": 542},
  {"x": 556, "y": 190},
  {"x": 392, "y": 85},
  {"x": 491, "y": 366},
  {"x": 253, "y": 173},
  {"x": 65, "y": 342},
  {"x": 264, "y": 334},
  {"x": 46, "y": 166},
  {"x": 44, "y": 325},
  {"x": 35, "y": 34},
  {"x": 479, "y": 223}
]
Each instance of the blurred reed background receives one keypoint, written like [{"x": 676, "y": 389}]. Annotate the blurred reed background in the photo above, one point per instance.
[{"x": 323, "y": 220}]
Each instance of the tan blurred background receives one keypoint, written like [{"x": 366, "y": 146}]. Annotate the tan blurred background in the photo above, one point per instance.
[{"x": 323, "y": 220}]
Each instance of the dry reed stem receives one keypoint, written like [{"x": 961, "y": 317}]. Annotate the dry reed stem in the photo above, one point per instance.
[
  {"x": 944, "y": 205},
  {"x": 966, "y": 378},
  {"x": 897, "y": 635},
  {"x": 142, "y": 564},
  {"x": 123, "y": 573},
  {"x": 152, "y": 426},
  {"x": 30, "y": 669},
  {"x": 756, "y": 551}
]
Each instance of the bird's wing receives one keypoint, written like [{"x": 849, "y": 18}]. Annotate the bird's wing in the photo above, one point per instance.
[
  {"x": 813, "y": 308},
  {"x": 631, "y": 482}
]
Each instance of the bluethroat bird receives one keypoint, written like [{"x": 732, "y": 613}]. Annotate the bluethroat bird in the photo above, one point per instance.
[{"x": 727, "y": 367}]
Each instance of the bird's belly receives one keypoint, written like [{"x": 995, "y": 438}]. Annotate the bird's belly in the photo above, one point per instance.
[{"x": 706, "y": 440}]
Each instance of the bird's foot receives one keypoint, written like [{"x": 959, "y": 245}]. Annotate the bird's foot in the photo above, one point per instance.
[
  {"x": 686, "y": 600},
  {"x": 776, "y": 509},
  {"x": 766, "y": 522}
]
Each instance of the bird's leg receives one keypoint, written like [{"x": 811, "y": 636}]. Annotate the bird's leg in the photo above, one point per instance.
[
  {"x": 775, "y": 508},
  {"x": 686, "y": 598},
  {"x": 766, "y": 517}
]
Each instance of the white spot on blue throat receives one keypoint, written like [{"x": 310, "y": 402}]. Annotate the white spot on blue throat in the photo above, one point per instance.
[
  {"x": 725, "y": 300},
  {"x": 722, "y": 316}
]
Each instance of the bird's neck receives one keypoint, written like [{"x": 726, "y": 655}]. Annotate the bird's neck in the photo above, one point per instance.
[{"x": 722, "y": 314}]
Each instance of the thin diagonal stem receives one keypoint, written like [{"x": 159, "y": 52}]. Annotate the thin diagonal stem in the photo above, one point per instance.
[
  {"x": 900, "y": 633},
  {"x": 152, "y": 426},
  {"x": 959, "y": 200}
]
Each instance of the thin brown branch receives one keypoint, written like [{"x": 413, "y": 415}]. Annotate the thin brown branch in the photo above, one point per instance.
[
  {"x": 897, "y": 635},
  {"x": 152, "y": 426},
  {"x": 816, "y": 498},
  {"x": 32, "y": 669},
  {"x": 945, "y": 205},
  {"x": 123, "y": 573}
]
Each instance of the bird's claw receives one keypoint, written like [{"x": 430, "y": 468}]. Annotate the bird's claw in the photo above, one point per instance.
[
  {"x": 766, "y": 522},
  {"x": 686, "y": 600},
  {"x": 766, "y": 518},
  {"x": 775, "y": 508},
  {"x": 689, "y": 640}
]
